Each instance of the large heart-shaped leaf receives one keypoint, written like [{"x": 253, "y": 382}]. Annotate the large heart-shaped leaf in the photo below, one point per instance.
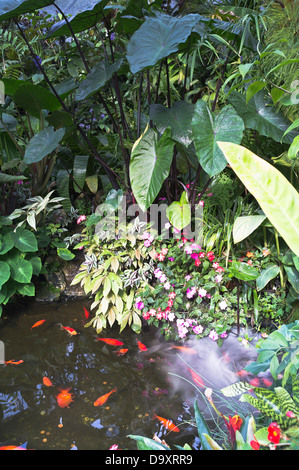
[
  {"x": 24, "y": 240},
  {"x": 84, "y": 15},
  {"x": 12, "y": 8},
  {"x": 157, "y": 38},
  {"x": 258, "y": 114},
  {"x": 21, "y": 270},
  {"x": 267, "y": 275},
  {"x": 4, "y": 272},
  {"x": 278, "y": 199},
  {"x": 98, "y": 76},
  {"x": 178, "y": 118},
  {"x": 42, "y": 144},
  {"x": 150, "y": 165},
  {"x": 34, "y": 98},
  {"x": 208, "y": 128}
]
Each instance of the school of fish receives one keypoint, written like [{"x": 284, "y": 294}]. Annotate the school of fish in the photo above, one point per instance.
[{"x": 65, "y": 398}]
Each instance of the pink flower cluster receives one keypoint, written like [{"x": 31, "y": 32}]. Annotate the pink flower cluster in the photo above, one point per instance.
[
  {"x": 162, "y": 314},
  {"x": 148, "y": 239},
  {"x": 81, "y": 218},
  {"x": 183, "y": 326}
]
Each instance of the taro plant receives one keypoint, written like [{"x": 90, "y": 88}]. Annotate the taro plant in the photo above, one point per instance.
[{"x": 19, "y": 261}]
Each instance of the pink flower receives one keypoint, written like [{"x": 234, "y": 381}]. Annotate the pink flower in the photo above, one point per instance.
[
  {"x": 145, "y": 235},
  {"x": 202, "y": 292},
  {"x": 147, "y": 243},
  {"x": 198, "y": 329},
  {"x": 213, "y": 335},
  {"x": 170, "y": 303},
  {"x": 164, "y": 251},
  {"x": 113, "y": 447},
  {"x": 81, "y": 218},
  {"x": 188, "y": 250},
  {"x": 210, "y": 256},
  {"x": 201, "y": 254},
  {"x": 172, "y": 295},
  {"x": 152, "y": 312},
  {"x": 163, "y": 278},
  {"x": 215, "y": 265},
  {"x": 146, "y": 315},
  {"x": 201, "y": 203},
  {"x": 194, "y": 255},
  {"x": 223, "y": 335},
  {"x": 188, "y": 277},
  {"x": 197, "y": 262},
  {"x": 218, "y": 278},
  {"x": 171, "y": 316},
  {"x": 161, "y": 257},
  {"x": 220, "y": 269},
  {"x": 167, "y": 285}
]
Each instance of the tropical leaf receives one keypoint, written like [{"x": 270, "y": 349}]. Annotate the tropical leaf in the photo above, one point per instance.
[
  {"x": 42, "y": 144},
  {"x": 267, "y": 275},
  {"x": 236, "y": 389},
  {"x": 63, "y": 182},
  {"x": 97, "y": 77},
  {"x": 150, "y": 165},
  {"x": 34, "y": 98},
  {"x": 4, "y": 272},
  {"x": 258, "y": 114},
  {"x": 13, "y": 8},
  {"x": 159, "y": 36},
  {"x": 79, "y": 172},
  {"x": 24, "y": 240},
  {"x": 179, "y": 213},
  {"x": 245, "y": 225},
  {"x": 208, "y": 128},
  {"x": 178, "y": 118},
  {"x": 20, "y": 270},
  {"x": 278, "y": 199},
  {"x": 84, "y": 15},
  {"x": 202, "y": 428}
]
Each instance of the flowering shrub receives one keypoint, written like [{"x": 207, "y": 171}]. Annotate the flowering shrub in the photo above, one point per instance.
[{"x": 189, "y": 293}]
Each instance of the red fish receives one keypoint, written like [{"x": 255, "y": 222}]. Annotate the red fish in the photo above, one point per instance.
[
  {"x": 184, "y": 349},
  {"x": 121, "y": 352},
  {"x": 70, "y": 331},
  {"x": 38, "y": 323},
  {"x": 267, "y": 382},
  {"x": 87, "y": 314},
  {"x": 64, "y": 398},
  {"x": 101, "y": 400},
  {"x": 111, "y": 341},
  {"x": 47, "y": 382},
  {"x": 197, "y": 379},
  {"x": 141, "y": 346},
  {"x": 16, "y": 363},
  {"x": 167, "y": 423}
]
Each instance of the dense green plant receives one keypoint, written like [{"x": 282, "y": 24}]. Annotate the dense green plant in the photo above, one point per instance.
[
  {"x": 117, "y": 265},
  {"x": 19, "y": 261}
]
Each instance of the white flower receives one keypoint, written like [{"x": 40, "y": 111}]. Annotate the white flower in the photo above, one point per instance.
[
  {"x": 202, "y": 292},
  {"x": 223, "y": 304},
  {"x": 218, "y": 278}
]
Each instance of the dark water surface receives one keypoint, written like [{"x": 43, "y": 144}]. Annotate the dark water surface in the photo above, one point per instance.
[{"x": 154, "y": 381}]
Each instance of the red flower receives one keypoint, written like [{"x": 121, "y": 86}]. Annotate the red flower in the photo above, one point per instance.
[
  {"x": 274, "y": 433},
  {"x": 254, "y": 444},
  {"x": 235, "y": 422},
  {"x": 197, "y": 262}
]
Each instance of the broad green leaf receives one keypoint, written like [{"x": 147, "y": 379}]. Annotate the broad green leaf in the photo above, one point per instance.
[
  {"x": 7, "y": 243},
  {"x": 84, "y": 15},
  {"x": 4, "y": 272},
  {"x": 27, "y": 289},
  {"x": 21, "y": 270},
  {"x": 147, "y": 443},
  {"x": 260, "y": 115},
  {"x": 178, "y": 118},
  {"x": 208, "y": 128},
  {"x": 179, "y": 213},
  {"x": 157, "y": 38},
  {"x": 267, "y": 275},
  {"x": 243, "y": 271},
  {"x": 34, "y": 98},
  {"x": 150, "y": 165},
  {"x": 293, "y": 276},
  {"x": 278, "y": 199},
  {"x": 42, "y": 144},
  {"x": 294, "y": 149},
  {"x": 24, "y": 240},
  {"x": 65, "y": 254},
  {"x": 63, "y": 181},
  {"x": 13, "y": 8},
  {"x": 236, "y": 389},
  {"x": 4, "y": 178},
  {"x": 97, "y": 77},
  {"x": 245, "y": 225},
  {"x": 79, "y": 172},
  {"x": 253, "y": 89}
]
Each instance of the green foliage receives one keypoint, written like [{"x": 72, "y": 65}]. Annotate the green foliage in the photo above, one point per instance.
[{"x": 19, "y": 262}]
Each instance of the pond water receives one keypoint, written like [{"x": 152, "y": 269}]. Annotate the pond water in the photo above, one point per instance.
[{"x": 155, "y": 381}]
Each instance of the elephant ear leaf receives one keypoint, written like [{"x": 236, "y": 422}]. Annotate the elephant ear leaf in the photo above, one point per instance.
[{"x": 278, "y": 199}]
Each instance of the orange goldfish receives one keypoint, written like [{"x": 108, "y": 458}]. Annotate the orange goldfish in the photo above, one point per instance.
[
  {"x": 16, "y": 363},
  {"x": 111, "y": 341},
  {"x": 38, "y": 323},
  {"x": 167, "y": 423},
  {"x": 12, "y": 448},
  {"x": 70, "y": 331},
  {"x": 121, "y": 352},
  {"x": 184, "y": 349},
  {"x": 87, "y": 314},
  {"x": 242, "y": 373},
  {"x": 47, "y": 382},
  {"x": 64, "y": 398},
  {"x": 101, "y": 400},
  {"x": 267, "y": 382},
  {"x": 197, "y": 379},
  {"x": 141, "y": 346}
]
